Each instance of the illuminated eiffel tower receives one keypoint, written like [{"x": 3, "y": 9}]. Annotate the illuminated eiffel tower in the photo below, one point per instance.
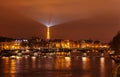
[{"x": 48, "y": 32}]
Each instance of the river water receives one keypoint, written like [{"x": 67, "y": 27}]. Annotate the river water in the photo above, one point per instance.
[{"x": 56, "y": 67}]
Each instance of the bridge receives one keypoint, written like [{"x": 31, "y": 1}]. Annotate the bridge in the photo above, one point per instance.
[{"x": 60, "y": 51}]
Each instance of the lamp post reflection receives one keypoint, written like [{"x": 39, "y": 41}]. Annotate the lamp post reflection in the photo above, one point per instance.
[
  {"x": 68, "y": 62},
  {"x": 33, "y": 62},
  {"x": 63, "y": 63},
  {"x": 102, "y": 65},
  {"x": 86, "y": 63}
]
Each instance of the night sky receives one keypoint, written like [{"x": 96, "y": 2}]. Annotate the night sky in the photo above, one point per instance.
[{"x": 69, "y": 19}]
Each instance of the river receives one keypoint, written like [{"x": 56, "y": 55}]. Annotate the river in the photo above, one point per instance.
[{"x": 56, "y": 67}]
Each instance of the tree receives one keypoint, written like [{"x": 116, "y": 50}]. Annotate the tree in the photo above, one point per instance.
[{"x": 115, "y": 43}]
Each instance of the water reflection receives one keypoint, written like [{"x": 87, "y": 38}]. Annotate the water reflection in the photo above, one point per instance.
[
  {"x": 102, "y": 65},
  {"x": 86, "y": 63},
  {"x": 12, "y": 66},
  {"x": 8, "y": 66},
  {"x": 56, "y": 67},
  {"x": 68, "y": 62},
  {"x": 63, "y": 63},
  {"x": 33, "y": 62}
]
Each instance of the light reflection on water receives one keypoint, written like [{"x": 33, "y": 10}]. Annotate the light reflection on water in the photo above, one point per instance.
[
  {"x": 33, "y": 62},
  {"x": 12, "y": 66},
  {"x": 86, "y": 63},
  {"x": 9, "y": 65},
  {"x": 102, "y": 65},
  {"x": 68, "y": 62},
  {"x": 56, "y": 67},
  {"x": 62, "y": 63}
]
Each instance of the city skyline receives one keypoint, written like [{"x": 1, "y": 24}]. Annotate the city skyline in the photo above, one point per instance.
[{"x": 74, "y": 20}]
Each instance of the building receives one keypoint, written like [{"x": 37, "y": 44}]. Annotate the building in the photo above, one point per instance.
[{"x": 10, "y": 45}]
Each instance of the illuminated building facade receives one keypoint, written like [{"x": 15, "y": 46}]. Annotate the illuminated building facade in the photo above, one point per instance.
[
  {"x": 76, "y": 44},
  {"x": 10, "y": 45}
]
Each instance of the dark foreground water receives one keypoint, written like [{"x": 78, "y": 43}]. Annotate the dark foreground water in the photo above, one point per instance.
[{"x": 56, "y": 67}]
